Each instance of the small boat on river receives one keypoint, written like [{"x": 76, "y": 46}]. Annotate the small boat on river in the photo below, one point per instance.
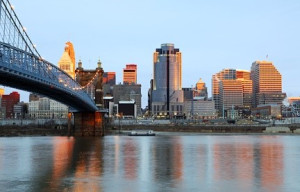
[{"x": 142, "y": 133}]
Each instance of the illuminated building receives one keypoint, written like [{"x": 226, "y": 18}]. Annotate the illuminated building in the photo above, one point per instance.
[
  {"x": 230, "y": 94},
  {"x": 167, "y": 94},
  {"x": 291, "y": 100},
  {"x": 244, "y": 77},
  {"x": 1, "y": 92},
  {"x": 201, "y": 89},
  {"x": 67, "y": 61},
  {"x": 8, "y": 102},
  {"x": 238, "y": 77},
  {"x": 130, "y": 74},
  {"x": 216, "y": 78},
  {"x": 109, "y": 80},
  {"x": 267, "y": 84}
]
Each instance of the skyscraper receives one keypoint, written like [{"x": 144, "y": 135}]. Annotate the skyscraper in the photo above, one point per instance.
[
  {"x": 130, "y": 74},
  {"x": 240, "y": 82},
  {"x": 267, "y": 84},
  {"x": 167, "y": 94},
  {"x": 231, "y": 94},
  {"x": 216, "y": 78},
  {"x": 67, "y": 61}
]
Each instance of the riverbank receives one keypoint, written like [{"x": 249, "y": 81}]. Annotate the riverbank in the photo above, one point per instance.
[
  {"x": 13, "y": 131},
  {"x": 220, "y": 129}
]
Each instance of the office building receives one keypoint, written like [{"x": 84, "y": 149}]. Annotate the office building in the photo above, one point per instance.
[
  {"x": 216, "y": 78},
  {"x": 230, "y": 94},
  {"x": 45, "y": 108},
  {"x": 109, "y": 80},
  {"x": 267, "y": 84},
  {"x": 67, "y": 61},
  {"x": 167, "y": 94},
  {"x": 237, "y": 77},
  {"x": 130, "y": 74},
  {"x": 20, "y": 110},
  {"x": 201, "y": 90},
  {"x": 199, "y": 109},
  {"x": 8, "y": 102},
  {"x": 291, "y": 100},
  {"x": 128, "y": 92}
]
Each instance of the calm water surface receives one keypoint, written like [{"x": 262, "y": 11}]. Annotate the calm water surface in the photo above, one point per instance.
[{"x": 161, "y": 163}]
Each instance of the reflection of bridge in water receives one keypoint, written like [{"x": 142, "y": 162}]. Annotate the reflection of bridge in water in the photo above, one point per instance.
[{"x": 22, "y": 67}]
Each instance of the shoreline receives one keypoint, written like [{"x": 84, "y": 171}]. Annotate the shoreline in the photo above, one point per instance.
[{"x": 19, "y": 131}]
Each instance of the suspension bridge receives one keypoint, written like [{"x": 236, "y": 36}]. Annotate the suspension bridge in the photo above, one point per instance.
[{"x": 22, "y": 67}]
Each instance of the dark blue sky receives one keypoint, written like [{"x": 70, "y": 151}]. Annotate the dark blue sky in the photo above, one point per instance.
[{"x": 212, "y": 35}]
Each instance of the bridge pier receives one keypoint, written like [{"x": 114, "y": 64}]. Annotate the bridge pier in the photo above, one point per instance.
[{"x": 88, "y": 124}]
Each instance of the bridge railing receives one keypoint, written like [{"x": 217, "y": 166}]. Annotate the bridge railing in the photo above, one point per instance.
[{"x": 27, "y": 63}]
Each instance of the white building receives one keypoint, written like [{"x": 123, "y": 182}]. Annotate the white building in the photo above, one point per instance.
[{"x": 46, "y": 108}]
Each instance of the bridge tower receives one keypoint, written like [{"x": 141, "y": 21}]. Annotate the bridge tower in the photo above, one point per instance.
[{"x": 90, "y": 123}]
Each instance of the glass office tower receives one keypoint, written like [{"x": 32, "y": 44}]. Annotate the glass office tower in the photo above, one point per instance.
[{"x": 167, "y": 94}]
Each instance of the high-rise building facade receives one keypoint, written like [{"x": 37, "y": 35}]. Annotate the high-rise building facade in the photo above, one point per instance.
[
  {"x": 230, "y": 94},
  {"x": 267, "y": 84},
  {"x": 167, "y": 94},
  {"x": 130, "y": 74},
  {"x": 238, "y": 77},
  {"x": 67, "y": 61},
  {"x": 225, "y": 74}
]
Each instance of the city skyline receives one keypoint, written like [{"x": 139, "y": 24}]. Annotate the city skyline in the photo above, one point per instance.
[{"x": 216, "y": 34}]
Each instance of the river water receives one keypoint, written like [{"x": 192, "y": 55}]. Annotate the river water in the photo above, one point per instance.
[{"x": 166, "y": 162}]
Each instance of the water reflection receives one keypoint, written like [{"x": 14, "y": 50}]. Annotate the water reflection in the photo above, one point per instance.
[{"x": 169, "y": 163}]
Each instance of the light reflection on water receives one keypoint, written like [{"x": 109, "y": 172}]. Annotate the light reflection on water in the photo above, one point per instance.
[{"x": 161, "y": 163}]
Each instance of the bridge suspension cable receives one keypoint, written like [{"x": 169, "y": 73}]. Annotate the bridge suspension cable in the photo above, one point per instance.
[{"x": 21, "y": 65}]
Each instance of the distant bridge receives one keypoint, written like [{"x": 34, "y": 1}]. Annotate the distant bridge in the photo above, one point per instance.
[{"x": 22, "y": 67}]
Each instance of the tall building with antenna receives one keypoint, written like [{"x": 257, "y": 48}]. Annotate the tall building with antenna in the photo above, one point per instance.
[{"x": 167, "y": 94}]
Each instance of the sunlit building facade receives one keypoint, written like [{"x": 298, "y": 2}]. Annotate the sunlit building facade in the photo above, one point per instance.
[
  {"x": 130, "y": 74},
  {"x": 1, "y": 92},
  {"x": 230, "y": 94},
  {"x": 201, "y": 90},
  {"x": 267, "y": 84},
  {"x": 167, "y": 94},
  {"x": 225, "y": 74},
  {"x": 238, "y": 77},
  {"x": 67, "y": 61},
  {"x": 109, "y": 80}
]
